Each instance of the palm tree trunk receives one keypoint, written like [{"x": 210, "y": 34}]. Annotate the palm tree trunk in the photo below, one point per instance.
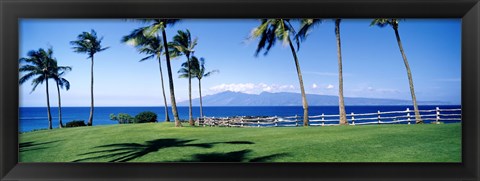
[
  {"x": 90, "y": 119},
  {"x": 167, "y": 117},
  {"x": 60, "y": 123},
  {"x": 341, "y": 102},
  {"x": 300, "y": 80},
  {"x": 48, "y": 105},
  {"x": 200, "y": 92},
  {"x": 170, "y": 81},
  {"x": 418, "y": 119},
  {"x": 190, "y": 116}
]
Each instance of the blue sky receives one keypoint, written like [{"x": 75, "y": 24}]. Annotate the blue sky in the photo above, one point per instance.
[{"x": 372, "y": 64}]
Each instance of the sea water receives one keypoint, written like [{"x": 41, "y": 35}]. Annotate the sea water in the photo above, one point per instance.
[{"x": 33, "y": 118}]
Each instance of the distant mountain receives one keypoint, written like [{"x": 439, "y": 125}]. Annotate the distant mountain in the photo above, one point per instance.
[{"x": 229, "y": 98}]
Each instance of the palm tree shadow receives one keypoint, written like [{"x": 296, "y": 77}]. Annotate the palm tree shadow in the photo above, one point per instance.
[
  {"x": 31, "y": 145},
  {"x": 124, "y": 152},
  {"x": 234, "y": 156}
]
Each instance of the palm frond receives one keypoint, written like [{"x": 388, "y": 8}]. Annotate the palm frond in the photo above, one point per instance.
[
  {"x": 208, "y": 74},
  {"x": 67, "y": 83},
  {"x": 89, "y": 43},
  {"x": 27, "y": 68},
  {"x": 26, "y": 77},
  {"x": 306, "y": 26},
  {"x": 193, "y": 44},
  {"x": 182, "y": 43},
  {"x": 39, "y": 80},
  {"x": 381, "y": 22},
  {"x": 62, "y": 82},
  {"x": 183, "y": 73},
  {"x": 153, "y": 29},
  {"x": 145, "y": 44},
  {"x": 64, "y": 68},
  {"x": 146, "y": 58},
  {"x": 135, "y": 38},
  {"x": 271, "y": 29},
  {"x": 39, "y": 63},
  {"x": 146, "y": 49}
]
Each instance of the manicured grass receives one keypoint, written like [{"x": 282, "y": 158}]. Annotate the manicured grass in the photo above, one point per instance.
[{"x": 160, "y": 142}]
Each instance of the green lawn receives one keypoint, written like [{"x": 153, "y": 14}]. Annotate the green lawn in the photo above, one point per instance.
[{"x": 161, "y": 142}]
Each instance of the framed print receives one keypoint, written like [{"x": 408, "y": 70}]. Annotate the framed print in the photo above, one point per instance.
[{"x": 225, "y": 90}]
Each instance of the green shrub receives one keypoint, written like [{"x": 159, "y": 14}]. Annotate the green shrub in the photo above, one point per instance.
[
  {"x": 146, "y": 117},
  {"x": 122, "y": 118},
  {"x": 75, "y": 123}
]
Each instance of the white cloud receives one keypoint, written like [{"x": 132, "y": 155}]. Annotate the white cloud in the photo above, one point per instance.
[
  {"x": 329, "y": 86},
  {"x": 251, "y": 88},
  {"x": 314, "y": 86}
]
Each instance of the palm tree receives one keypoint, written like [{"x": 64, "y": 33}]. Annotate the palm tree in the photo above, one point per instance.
[
  {"x": 39, "y": 64},
  {"x": 57, "y": 75},
  {"x": 394, "y": 24},
  {"x": 271, "y": 30},
  {"x": 152, "y": 46},
  {"x": 306, "y": 26},
  {"x": 184, "y": 45},
  {"x": 89, "y": 43},
  {"x": 341, "y": 102},
  {"x": 156, "y": 25},
  {"x": 197, "y": 69}
]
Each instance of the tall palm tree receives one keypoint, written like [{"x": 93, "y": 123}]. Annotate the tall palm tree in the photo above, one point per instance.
[
  {"x": 197, "y": 69},
  {"x": 184, "y": 45},
  {"x": 89, "y": 43},
  {"x": 341, "y": 102},
  {"x": 306, "y": 26},
  {"x": 152, "y": 46},
  {"x": 38, "y": 64},
  {"x": 382, "y": 22},
  {"x": 57, "y": 74},
  {"x": 271, "y": 30},
  {"x": 153, "y": 27}
]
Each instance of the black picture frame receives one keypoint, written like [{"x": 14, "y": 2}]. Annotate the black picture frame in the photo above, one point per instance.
[{"x": 12, "y": 10}]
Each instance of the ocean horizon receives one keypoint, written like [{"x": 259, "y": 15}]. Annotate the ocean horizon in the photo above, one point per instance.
[{"x": 34, "y": 118}]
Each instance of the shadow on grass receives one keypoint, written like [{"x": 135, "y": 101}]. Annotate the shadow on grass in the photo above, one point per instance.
[
  {"x": 235, "y": 156},
  {"x": 31, "y": 145},
  {"x": 124, "y": 152}
]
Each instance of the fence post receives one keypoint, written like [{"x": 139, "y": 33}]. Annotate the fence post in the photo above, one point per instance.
[
  {"x": 323, "y": 119},
  {"x": 296, "y": 120},
  {"x": 438, "y": 114},
  {"x": 258, "y": 123},
  {"x": 408, "y": 115},
  {"x": 378, "y": 113},
  {"x": 353, "y": 118}
]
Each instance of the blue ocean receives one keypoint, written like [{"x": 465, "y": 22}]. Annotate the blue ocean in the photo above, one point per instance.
[{"x": 33, "y": 118}]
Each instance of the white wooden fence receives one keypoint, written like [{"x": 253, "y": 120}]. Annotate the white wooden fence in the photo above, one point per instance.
[{"x": 407, "y": 116}]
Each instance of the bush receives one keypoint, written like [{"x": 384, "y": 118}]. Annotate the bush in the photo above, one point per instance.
[
  {"x": 75, "y": 123},
  {"x": 146, "y": 117},
  {"x": 122, "y": 118}
]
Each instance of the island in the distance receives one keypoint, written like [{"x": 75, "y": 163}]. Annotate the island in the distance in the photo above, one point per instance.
[{"x": 230, "y": 98}]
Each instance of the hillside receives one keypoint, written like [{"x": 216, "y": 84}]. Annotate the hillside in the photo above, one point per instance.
[{"x": 162, "y": 142}]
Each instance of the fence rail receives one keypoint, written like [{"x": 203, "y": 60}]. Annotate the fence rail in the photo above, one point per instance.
[{"x": 407, "y": 116}]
